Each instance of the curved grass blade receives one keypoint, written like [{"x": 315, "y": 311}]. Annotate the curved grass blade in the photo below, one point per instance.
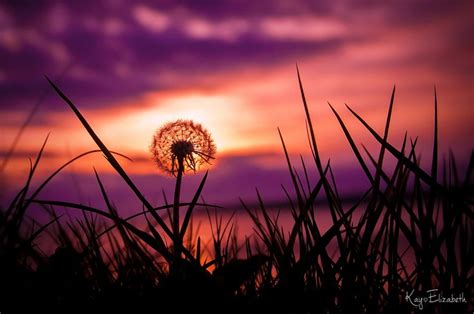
[
  {"x": 408, "y": 163},
  {"x": 193, "y": 203},
  {"x": 111, "y": 159}
]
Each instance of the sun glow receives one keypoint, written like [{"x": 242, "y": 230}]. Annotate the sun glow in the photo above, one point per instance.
[{"x": 216, "y": 112}]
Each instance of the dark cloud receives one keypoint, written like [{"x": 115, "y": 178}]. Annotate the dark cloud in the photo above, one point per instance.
[
  {"x": 104, "y": 67},
  {"x": 235, "y": 177},
  {"x": 108, "y": 55}
]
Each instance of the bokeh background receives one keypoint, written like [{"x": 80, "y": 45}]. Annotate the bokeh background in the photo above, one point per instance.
[{"x": 131, "y": 66}]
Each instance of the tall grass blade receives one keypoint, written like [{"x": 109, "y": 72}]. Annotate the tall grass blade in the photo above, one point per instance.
[{"x": 110, "y": 158}]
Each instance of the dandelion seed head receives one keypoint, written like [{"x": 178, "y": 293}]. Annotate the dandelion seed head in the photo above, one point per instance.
[{"x": 182, "y": 141}]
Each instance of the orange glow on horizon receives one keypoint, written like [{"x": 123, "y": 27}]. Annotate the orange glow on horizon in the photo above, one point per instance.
[{"x": 243, "y": 111}]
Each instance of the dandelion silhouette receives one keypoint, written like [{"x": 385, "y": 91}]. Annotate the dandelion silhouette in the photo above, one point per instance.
[
  {"x": 181, "y": 146},
  {"x": 178, "y": 147}
]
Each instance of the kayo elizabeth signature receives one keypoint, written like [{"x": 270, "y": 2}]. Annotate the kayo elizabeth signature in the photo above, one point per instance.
[{"x": 433, "y": 296}]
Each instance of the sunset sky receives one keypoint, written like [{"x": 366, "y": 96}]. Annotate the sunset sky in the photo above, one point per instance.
[{"x": 130, "y": 67}]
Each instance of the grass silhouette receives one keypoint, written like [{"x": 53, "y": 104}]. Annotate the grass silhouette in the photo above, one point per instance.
[{"x": 413, "y": 232}]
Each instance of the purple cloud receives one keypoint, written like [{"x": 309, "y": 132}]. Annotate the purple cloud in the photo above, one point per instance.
[{"x": 120, "y": 51}]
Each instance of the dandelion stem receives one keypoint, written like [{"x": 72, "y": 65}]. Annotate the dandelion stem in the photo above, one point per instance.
[{"x": 177, "y": 191}]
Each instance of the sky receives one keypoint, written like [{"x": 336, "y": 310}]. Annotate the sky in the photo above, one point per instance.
[{"x": 131, "y": 66}]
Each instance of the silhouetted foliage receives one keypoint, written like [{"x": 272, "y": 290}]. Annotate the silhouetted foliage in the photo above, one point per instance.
[{"x": 413, "y": 232}]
